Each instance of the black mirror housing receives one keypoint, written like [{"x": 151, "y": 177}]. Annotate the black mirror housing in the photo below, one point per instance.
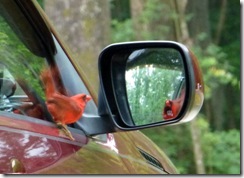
[{"x": 149, "y": 83}]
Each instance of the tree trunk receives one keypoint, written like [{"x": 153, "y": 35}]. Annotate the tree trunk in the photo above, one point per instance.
[
  {"x": 137, "y": 7},
  {"x": 217, "y": 105},
  {"x": 177, "y": 30},
  {"x": 195, "y": 131},
  {"x": 198, "y": 154},
  {"x": 148, "y": 24},
  {"x": 221, "y": 22},
  {"x": 199, "y": 27},
  {"x": 85, "y": 26},
  {"x": 181, "y": 25}
]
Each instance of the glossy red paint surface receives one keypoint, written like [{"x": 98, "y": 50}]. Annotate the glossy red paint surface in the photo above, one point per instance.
[
  {"x": 32, "y": 151},
  {"x": 42, "y": 149},
  {"x": 109, "y": 157},
  {"x": 35, "y": 145}
]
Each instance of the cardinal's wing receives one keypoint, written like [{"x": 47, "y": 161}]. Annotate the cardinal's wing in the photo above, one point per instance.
[{"x": 62, "y": 103}]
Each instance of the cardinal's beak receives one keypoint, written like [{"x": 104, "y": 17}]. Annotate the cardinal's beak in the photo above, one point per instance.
[
  {"x": 168, "y": 103},
  {"x": 88, "y": 98}
]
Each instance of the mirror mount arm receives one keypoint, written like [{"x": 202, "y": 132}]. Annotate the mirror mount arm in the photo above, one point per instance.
[{"x": 95, "y": 125}]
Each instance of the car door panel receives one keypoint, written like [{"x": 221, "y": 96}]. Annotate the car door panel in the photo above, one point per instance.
[
  {"x": 104, "y": 157},
  {"x": 35, "y": 144}
]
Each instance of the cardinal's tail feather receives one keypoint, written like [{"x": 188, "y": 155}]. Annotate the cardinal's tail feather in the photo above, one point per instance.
[{"x": 46, "y": 77}]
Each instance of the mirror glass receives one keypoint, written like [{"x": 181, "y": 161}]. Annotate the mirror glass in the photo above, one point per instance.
[
  {"x": 7, "y": 84},
  {"x": 155, "y": 84}
]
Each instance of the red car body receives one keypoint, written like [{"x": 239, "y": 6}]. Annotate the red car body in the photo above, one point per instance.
[{"x": 40, "y": 148}]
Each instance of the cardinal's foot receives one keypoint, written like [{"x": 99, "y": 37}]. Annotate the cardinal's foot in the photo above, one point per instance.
[{"x": 65, "y": 130}]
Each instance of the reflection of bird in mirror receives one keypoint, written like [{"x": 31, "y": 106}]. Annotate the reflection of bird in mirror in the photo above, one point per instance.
[
  {"x": 64, "y": 109},
  {"x": 171, "y": 109}
]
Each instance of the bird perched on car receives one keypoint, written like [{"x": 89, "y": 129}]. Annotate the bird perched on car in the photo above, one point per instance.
[{"x": 64, "y": 109}]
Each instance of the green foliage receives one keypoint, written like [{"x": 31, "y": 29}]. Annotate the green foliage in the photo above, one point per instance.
[
  {"x": 149, "y": 92},
  {"x": 121, "y": 24},
  {"x": 122, "y": 31},
  {"x": 220, "y": 64},
  {"x": 41, "y": 2},
  {"x": 177, "y": 144},
  {"x": 229, "y": 43},
  {"x": 222, "y": 152},
  {"x": 216, "y": 69},
  {"x": 120, "y": 9},
  {"x": 122, "y": 28},
  {"x": 155, "y": 22},
  {"x": 221, "y": 149}
]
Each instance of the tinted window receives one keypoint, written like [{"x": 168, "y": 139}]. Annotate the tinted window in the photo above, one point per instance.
[{"x": 24, "y": 59}]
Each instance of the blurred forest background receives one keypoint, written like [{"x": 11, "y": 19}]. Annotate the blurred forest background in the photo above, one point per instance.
[{"x": 211, "y": 28}]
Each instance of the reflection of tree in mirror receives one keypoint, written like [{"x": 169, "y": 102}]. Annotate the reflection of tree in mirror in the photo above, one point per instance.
[
  {"x": 150, "y": 85},
  {"x": 167, "y": 58}
]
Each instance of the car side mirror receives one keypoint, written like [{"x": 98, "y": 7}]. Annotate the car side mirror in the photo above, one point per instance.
[
  {"x": 7, "y": 87},
  {"x": 150, "y": 83}
]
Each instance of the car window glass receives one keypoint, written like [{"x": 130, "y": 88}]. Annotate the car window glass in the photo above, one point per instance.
[
  {"x": 22, "y": 87},
  {"x": 21, "y": 67},
  {"x": 71, "y": 80}
]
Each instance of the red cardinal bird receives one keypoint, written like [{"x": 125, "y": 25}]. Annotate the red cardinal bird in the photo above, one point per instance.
[{"x": 64, "y": 109}]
